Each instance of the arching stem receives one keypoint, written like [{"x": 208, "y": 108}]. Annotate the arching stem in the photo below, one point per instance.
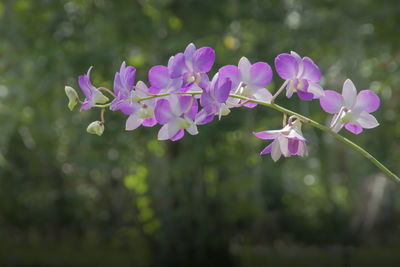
[{"x": 304, "y": 119}]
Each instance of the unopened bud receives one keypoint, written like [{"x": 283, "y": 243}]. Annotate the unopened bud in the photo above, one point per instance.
[
  {"x": 72, "y": 97},
  {"x": 96, "y": 127}
]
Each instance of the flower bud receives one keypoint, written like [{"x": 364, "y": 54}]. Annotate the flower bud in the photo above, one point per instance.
[
  {"x": 96, "y": 127},
  {"x": 72, "y": 97}
]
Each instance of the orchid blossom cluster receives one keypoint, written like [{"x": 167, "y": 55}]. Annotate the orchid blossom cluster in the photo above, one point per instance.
[{"x": 181, "y": 95}]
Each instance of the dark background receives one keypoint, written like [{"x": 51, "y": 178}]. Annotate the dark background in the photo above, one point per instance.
[{"x": 68, "y": 198}]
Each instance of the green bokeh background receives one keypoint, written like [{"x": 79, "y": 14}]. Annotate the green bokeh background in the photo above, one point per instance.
[{"x": 68, "y": 198}]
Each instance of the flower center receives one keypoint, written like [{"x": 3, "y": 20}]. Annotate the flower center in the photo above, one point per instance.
[{"x": 346, "y": 116}]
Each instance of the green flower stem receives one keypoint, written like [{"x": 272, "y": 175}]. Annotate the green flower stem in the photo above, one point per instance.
[
  {"x": 371, "y": 158},
  {"x": 102, "y": 106}
]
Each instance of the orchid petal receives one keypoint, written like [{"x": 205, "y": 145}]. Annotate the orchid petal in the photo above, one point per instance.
[
  {"x": 244, "y": 67},
  {"x": 192, "y": 129},
  {"x": 133, "y": 121},
  {"x": 275, "y": 150},
  {"x": 310, "y": 70},
  {"x": 149, "y": 122},
  {"x": 266, "y": 150},
  {"x": 349, "y": 93},
  {"x": 178, "y": 135},
  {"x": 191, "y": 114},
  {"x": 158, "y": 77},
  {"x": 203, "y": 59},
  {"x": 367, "y": 100},
  {"x": 305, "y": 95},
  {"x": 268, "y": 135},
  {"x": 296, "y": 56},
  {"x": 189, "y": 51},
  {"x": 222, "y": 90},
  {"x": 260, "y": 74},
  {"x": 293, "y": 146},
  {"x": 367, "y": 120},
  {"x": 169, "y": 129},
  {"x": 316, "y": 90},
  {"x": 355, "y": 129},
  {"x": 286, "y": 66},
  {"x": 177, "y": 66},
  {"x": 331, "y": 102},
  {"x": 162, "y": 111},
  {"x": 283, "y": 144},
  {"x": 231, "y": 72}
]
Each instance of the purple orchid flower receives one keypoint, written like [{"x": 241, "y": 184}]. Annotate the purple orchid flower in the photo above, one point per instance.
[
  {"x": 301, "y": 75},
  {"x": 176, "y": 114},
  {"x": 351, "y": 110},
  {"x": 249, "y": 80},
  {"x": 140, "y": 113},
  {"x": 123, "y": 86},
  {"x": 288, "y": 141},
  {"x": 191, "y": 66},
  {"x": 214, "y": 97},
  {"x": 92, "y": 94}
]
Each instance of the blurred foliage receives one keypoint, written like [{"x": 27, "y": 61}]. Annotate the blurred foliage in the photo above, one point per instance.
[{"x": 68, "y": 198}]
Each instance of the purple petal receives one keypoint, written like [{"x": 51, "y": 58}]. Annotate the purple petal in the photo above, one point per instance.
[
  {"x": 286, "y": 66},
  {"x": 202, "y": 117},
  {"x": 331, "y": 102},
  {"x": 222, "y": 90},
  {"x": 293, "y": 146},
  {"x": 315, "y": 89},
  {"x": 244, "y": 67},
  {"x": 204, "y": 80},
  {"x": 178, "y": 136},
  {"x": 296, "y": 56},
  {"x": 184, "y": 104},
  {"x": 267, "y": 149},
  {"x": 367, "y": 100},
  {"x": 262, "y": 94},
  {"x": 85, "y": 84},
  {"x": 177, "y": 66},
  {"x": 349, "y": 93},
  {"x": 158, "y": 77},
  {"x": 175, "y": 85},
  {"x": 128, "y": 77},
  {"x": 305, "y": 95},
  {"x": 249, "y": 104},
  {"x": 149, "y": 122},
  {"x": 267, "y": 135},
  {"x": 355, "y": 129},
  {"x": 231, "y": 72},
  {"x": 206, "y": 100},
  {"x": 260, "y": 74},
  {"x": 367, "y": 120},
  {"x": 127, "y": 108},
  {"x": 310, "y": 70},
  {"x": 133, "y": 122},
  {"x": 203, "y": 59},
  {"x": 193, "y": 110},
  {"x": 118, "y": 87},
  {"x": 189, "y": 51},
  {"x": 162, "y": 111},
  {"x": 169, "y": 130}
]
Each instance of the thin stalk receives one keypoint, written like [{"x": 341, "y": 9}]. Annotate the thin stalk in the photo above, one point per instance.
[
  {"x": 102, "y": 115},
  {"x": 279, "y": 91},
  {"x": 107, "y": 90}
]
